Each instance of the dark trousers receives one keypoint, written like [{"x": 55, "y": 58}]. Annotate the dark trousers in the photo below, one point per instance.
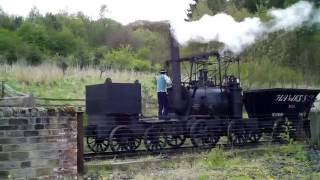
[{"x": 162, "y": 104}]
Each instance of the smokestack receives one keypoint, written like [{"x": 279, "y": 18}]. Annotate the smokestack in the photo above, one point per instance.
[{"x": 175, "y": 72}]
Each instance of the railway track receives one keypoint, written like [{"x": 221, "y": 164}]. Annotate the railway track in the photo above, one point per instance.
[{"x": 171, "y": 151}]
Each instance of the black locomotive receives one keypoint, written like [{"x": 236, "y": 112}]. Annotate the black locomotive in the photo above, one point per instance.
[{"x": 204, "y": 106}]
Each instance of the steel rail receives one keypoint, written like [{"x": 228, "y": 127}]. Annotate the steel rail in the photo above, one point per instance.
[{"x": 170, "y": 151}]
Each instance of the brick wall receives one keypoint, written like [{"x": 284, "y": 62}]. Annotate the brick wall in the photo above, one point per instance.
[{"x": 37, "y": 142}]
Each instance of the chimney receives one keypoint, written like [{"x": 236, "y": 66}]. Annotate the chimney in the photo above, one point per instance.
[{"x": 175, "y": 72}]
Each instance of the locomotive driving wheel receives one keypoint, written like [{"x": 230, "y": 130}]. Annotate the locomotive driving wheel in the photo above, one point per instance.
[
  {"x": 155, "y": 138},
  {"x": 122, "y": 139},
  {"x": 96, "y": 144},
  {"x": 176, "y": 138},
  {"x": 236, "y": 133},
  {"x": 202, "y": 135},
  {"x": 254, "y": 136},
  {"x": 253, "y": 132}
]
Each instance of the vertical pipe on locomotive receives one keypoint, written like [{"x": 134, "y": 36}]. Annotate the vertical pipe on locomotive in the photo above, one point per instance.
[{"x": 175, "y": 71}]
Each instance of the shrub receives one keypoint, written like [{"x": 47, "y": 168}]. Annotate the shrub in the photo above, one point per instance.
[
  {"x": 141, "y": 65},
  {"x": 34, "y": 56},
  {"x": 11, "y": 57}
]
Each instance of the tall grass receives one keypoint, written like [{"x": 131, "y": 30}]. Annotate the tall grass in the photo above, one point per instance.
[
  {"x": 48, "y": 81},
  {"x": 48, "y": 73}
]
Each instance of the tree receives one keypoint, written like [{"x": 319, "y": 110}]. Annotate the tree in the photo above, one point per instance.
[
  {"x": 11, "y": 57},
  {"x": 34, "y": 56},
  {"x": 34, "y": 14},
  {"x": 98, "y": 56},
  {"x": 62, "y": 65},
  {"x": 34, "y": 34},
  {"x": 52, "y": 22},
  {"x": 82, "y": 59},
  {"x": 103, "y": 10},
  {"x": 216, "y": 6}
]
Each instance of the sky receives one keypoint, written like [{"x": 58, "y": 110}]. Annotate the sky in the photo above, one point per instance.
[{"x": 123, "y": 11}]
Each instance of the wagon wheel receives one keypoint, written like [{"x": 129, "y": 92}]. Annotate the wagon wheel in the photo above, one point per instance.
[
  {"x": 97, "y": 144},
  {"x": 202, "y": 135},
  {"x": 154, "y": 138},
  {"x": 236, "y": 133},
  {"x": 122, "y": 139},
  {"x": 176, "y": 138}
]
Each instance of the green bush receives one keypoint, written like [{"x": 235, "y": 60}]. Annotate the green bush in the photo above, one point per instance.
[
  {"x": 141, "y": 65},
  {"x": 125, "y": 58},
  {"x": 34, "y": 56}
]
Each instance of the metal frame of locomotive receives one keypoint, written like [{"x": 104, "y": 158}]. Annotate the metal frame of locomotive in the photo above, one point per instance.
[{"x": 205, "y": 107}]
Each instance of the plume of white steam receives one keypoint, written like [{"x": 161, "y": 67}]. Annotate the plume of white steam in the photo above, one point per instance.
[
  {"x": 290, "y": 18},
  {"x": 236, "y": 36},
  {"x": 316, "y": 17}
]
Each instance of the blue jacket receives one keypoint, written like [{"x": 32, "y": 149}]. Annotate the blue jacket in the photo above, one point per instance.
[{"x": 163, "y": 82}]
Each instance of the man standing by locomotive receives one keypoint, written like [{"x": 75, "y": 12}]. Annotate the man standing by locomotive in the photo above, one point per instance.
[{"x": 163, "y": 83}]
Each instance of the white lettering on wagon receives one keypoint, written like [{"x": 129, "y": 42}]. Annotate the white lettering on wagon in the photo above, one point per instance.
[{"x": 298, "y": 98}]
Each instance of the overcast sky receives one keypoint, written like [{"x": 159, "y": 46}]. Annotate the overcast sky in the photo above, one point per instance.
[{"x": 124, "y": 11}]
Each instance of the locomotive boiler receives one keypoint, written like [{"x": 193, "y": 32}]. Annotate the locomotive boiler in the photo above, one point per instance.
[{"x": 205, "y": 91}]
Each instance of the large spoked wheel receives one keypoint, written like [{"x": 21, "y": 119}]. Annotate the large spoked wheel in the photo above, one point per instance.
[
  {"x": 253, "y": 131},
  {"x": 122, "y": 139},
  {"x": 137, "y": 143},
  {"x": 97, "y": 144},
  {"x": 155, "y": 138},
  {"x": 254, "y": 136},
  {"x": 176, "y": 138},
  {"x": 236, "y": 133},
  {"x": 203, "y": 136}
]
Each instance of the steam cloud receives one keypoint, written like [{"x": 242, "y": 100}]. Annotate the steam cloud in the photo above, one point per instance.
[{"x": 238, "y": 35}]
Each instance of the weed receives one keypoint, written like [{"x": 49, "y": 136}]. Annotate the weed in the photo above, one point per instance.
[
  {"x": 204, "y": 177},
  {"x": 216, "y": 158},
  {"x": 287, "y": 129},
  {"x": 98, "y": 172},
  {"x": 296, "y": 151}
]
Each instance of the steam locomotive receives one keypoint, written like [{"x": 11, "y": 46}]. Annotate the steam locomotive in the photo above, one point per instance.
[{"x": 204, "y": 106}]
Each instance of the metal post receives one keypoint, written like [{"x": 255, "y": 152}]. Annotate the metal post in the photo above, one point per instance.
[
  {"x": 220, "y": 78},
  {"x": 80, "y": 134}
]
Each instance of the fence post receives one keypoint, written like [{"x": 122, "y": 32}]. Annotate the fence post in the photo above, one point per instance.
[
  {"x": 80, "y": 133},
  {"x": 2, "y": 89}
]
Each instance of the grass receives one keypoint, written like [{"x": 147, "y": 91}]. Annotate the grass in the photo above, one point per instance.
[
  {"x": 285, "y": 162},
  {"x": 48, "y": 81}
]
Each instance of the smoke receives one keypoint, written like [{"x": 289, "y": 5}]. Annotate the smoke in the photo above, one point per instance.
[{"x": 236, "y": 36}]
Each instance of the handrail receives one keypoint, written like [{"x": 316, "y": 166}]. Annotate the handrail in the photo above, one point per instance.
[{"x": 57, "y": 99}]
